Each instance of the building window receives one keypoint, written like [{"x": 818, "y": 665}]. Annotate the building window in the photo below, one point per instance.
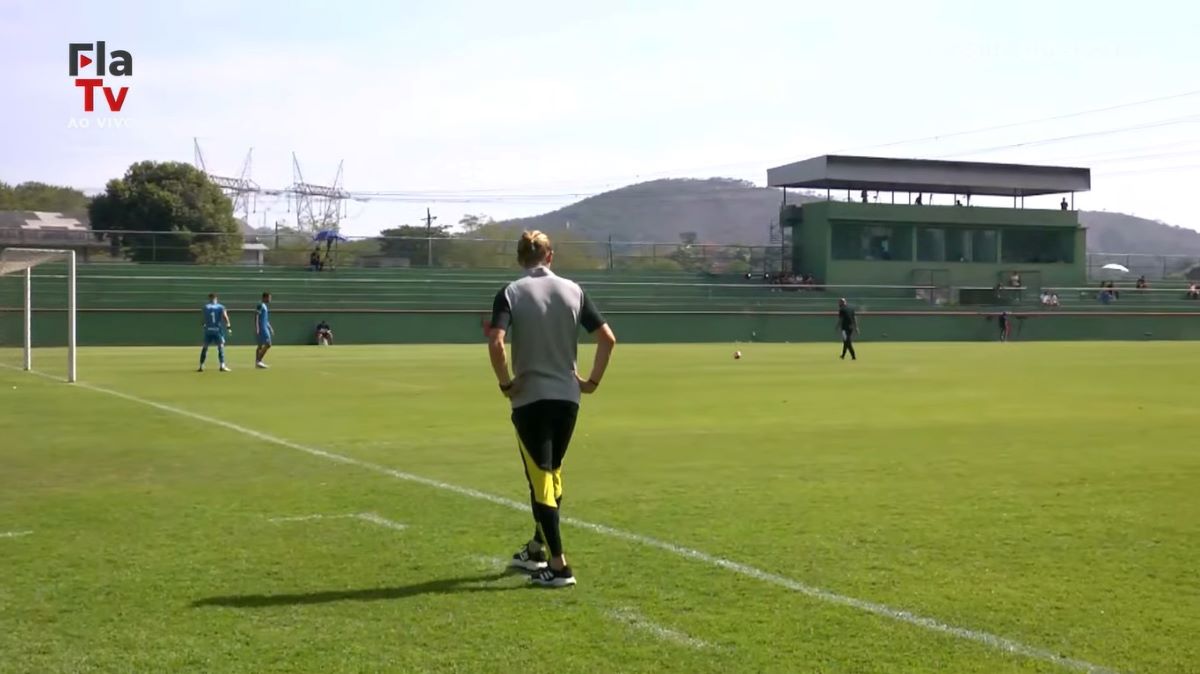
[
  {"x": 871, "y": 242},
  {"x": 1038, "y": 245},
  {"x": 984, "y": 245},
  {"x": 958, "y": 244}
]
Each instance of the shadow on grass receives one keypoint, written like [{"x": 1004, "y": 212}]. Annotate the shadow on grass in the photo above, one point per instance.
[{"x": 444, "y": 586}]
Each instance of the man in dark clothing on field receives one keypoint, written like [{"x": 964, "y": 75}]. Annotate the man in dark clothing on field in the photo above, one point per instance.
[{"x": 848, "y": 324}]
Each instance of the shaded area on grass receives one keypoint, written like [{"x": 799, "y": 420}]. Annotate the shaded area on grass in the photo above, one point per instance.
[{"x": 443, "y": 586}]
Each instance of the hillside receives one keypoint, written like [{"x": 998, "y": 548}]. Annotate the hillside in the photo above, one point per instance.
[
  {"x": 718, "y": 210},
  {"x": 722, "y": 210}
]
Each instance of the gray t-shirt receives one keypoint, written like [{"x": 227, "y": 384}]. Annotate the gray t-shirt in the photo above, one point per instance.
[{"x": 542, "y": 313}]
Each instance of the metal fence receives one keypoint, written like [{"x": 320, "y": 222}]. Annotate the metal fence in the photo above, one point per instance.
[
  {"x": 289, "y": 248},
  {"x": 1153, "y": 267},
  {"x": 293, "y": 249}
]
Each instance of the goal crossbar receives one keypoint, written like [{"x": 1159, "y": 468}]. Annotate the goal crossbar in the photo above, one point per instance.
[{"x": 22, "y": 261}]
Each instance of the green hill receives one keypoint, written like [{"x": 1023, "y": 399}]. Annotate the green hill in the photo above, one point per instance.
[{"x": 723, "y": 210}]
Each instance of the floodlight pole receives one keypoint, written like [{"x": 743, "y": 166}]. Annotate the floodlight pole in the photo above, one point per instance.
[
  {"x": 28, "y": 362},
  {"x": 71, "y": 306}
]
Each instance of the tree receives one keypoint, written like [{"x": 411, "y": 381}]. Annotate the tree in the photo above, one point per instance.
[
  {"x": 172, "y": 213},
  {"x": 413, "y": 242},
  {"x": 34, "y": 196},
  {"x": 471, "y": 224}
]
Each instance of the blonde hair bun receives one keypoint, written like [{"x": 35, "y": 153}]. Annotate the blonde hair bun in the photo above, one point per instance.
[{"x": 533, "y": 248}]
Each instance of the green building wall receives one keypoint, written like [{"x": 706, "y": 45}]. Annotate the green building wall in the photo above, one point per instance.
[{"x": 814, "y": 222}]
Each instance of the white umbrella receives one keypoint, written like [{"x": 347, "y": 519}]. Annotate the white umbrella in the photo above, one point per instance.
[{"x": 1113, "y": 266}]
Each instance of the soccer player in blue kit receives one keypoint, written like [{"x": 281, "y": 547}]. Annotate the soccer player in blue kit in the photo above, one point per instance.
[
  {"x": 216, "y": 326},
  {"x": 262, "y": 330}
]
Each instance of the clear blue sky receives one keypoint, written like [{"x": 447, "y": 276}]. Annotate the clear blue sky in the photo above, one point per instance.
[{"x": 506, "y": 103}]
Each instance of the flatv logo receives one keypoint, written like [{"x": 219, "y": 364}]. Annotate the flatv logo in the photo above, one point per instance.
[{"x": 117, "y": 64}]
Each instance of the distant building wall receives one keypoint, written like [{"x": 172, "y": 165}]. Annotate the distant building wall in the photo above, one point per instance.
[{"x": 899, "y": 244}]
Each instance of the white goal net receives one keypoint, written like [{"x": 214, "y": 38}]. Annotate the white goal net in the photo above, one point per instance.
[{"x": 21, "y": 321}]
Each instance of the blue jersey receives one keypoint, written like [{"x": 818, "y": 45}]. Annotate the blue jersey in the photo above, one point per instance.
[
  {"x": 264, "y": 319},
  {"x": 214, "y": 320}
]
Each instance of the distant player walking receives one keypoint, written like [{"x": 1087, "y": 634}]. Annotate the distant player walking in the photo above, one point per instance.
[
  {"x": 1005, "y": 321},
  {"x": 544, "y": 312},
  {"x": 216, "y": 326},
  {"x": 262, "y": 330},
  {"x": 848, "y": 325}
]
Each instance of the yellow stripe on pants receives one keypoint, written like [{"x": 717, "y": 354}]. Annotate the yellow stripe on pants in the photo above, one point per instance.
[{"x": 546, "y": 484}]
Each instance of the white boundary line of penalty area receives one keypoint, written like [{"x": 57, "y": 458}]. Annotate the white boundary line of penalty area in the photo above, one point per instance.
[
  {"x": 14, "y": 534},
  {"x": 365, "y": 517},
  {"x": 995, "y": 642}
]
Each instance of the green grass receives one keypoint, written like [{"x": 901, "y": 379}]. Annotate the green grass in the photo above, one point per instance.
[{"x": 1045, "y": 493}]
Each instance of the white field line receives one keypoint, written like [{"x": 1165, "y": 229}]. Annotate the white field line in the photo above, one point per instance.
[
  {"x": 381, "y": 521},
  {"x": 14, "y": 534},
  {"x": 999, "y": 643},
  {"x": 490, "y": 563},
  {"x": 365, "y": 517},
  {"x": 305, "y": 518},
  {"x": 640, "y": 622}
]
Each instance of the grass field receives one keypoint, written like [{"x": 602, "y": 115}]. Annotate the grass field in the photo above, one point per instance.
[{"x": 929, "y": 508}]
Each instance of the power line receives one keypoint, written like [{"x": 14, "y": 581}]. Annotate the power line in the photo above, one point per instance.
[
  {"x": 1076, "y": 136},
  {"x": 1160, "y": 169},
  {"x": 1040, "y": 120}
]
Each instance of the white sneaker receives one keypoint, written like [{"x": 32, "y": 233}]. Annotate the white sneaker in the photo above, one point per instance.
[
  {"x": 529, "y": 560},
  {"x": 548, "y": 577},
  {"x": 261, "y": 365},
  {"x": 225, "y": 368}
]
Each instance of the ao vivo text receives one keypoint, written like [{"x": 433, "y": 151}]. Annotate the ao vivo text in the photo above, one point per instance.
[{"x": 117, "y": 64}]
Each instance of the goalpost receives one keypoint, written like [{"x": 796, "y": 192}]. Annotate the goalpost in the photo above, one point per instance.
[{"x": 23, "y": 260}]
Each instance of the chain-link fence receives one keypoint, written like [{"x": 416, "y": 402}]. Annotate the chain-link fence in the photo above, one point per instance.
[
  {"x": 293, "y": 249},
  {"x": 1153, "y": 267},
  {"x": 289, "y": 248}
]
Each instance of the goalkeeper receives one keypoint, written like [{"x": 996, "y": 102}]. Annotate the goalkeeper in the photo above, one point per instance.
[{"x": 216, "y": 327}]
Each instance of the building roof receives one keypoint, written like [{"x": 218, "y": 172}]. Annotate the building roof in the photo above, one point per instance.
[{"x": 936, "y": 176}]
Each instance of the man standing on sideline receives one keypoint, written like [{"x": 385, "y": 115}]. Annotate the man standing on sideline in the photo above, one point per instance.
[
  {"x": 848, "y": 325},
  {"x": 544, "y": 313},
  {"x": 262, "y": 330},
  {"x": 1005, "y": 320},
  {"x": 216, "y": 326}
]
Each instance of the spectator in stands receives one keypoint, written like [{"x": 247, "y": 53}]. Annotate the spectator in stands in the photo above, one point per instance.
[
  {"x": 314, "y": 260},
  {"x": 1045, "y": 298},
  {"x": 918, "y": 201},
  {"x": 1142, "y": 284},
  {"x": 324, "y": 334},
  {"x": 1063, "y": 205},
  {"x": 1193, "y": 292},
  {"x": 1014, "y": 280},
  {"x": 1107, "y": 293}
]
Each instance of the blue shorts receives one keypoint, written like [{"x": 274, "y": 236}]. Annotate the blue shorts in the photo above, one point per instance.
[
  {"x": 264, "y": 339},
  {"x": 214, "y": 337}
]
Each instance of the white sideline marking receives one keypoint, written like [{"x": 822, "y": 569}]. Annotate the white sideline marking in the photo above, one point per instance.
[
  {"x": 365, "y": 517},
  {"x": 14, "y": 534},
  {"x": 998, "y": 643},
  {"x": 638, "y": 621}
]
